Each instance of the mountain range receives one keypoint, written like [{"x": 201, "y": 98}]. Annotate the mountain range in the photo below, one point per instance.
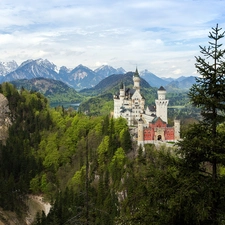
[{"x": 81, "y": 77}]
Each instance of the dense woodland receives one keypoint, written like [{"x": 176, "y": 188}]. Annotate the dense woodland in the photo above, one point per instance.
[{"x": 91, "y": 171}]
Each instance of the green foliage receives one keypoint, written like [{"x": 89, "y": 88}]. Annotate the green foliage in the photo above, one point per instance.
[
  {"x": 103, "y": 153},
  {"x": 150, "y": 95},
  {"x": 35, "y": 185},
  {"x": 18, "y": 164},
  {"x": 77, "y": 181},
  {"x": 125, "y": 139},
  {"x": 100, "y": 105},
  {"x": 116, "y": 166},
  {"x": 96, "y": 136},
  {"x": 178, "y": 98},
  {"x": 143, "y": 181},
  {"x": 202, "y": 150}
]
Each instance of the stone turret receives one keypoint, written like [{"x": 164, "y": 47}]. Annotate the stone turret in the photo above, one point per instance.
[
  {"x": 161, "y": 104},
  {"x": 122, "y": 91},
  {"x": 140, "y": 132},
  {"x": 176, "y": 129}
]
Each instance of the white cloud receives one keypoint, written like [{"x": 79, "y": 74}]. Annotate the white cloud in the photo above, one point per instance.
[
  {"x": 177, "y": 72},
  {"x": 98, "y": 64},
  {"x": 157, "y": 35}
]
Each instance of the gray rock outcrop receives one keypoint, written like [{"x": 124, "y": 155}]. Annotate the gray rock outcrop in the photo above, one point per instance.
[{"x": 5, "y": 121}]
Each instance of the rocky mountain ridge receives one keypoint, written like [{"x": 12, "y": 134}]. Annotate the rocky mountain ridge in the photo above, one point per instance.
[
  {"x": 81, "y": 77},
  {"x": 7, "y": 67}
]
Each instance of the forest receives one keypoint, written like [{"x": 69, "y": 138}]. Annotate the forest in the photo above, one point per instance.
[{"x": 92, "y": 172}]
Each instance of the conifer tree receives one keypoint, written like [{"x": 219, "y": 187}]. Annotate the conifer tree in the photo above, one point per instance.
[{"x": 203, "y": 149}]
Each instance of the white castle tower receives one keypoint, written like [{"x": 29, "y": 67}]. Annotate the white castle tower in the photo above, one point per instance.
[
  {"x": 161, "y": 104},
  {"x": 140, "y": 133},
  {"x": 118, "y": 101}
]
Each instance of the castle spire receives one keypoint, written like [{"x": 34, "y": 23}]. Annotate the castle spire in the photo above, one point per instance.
[
  {"x": 121, "y": 85},
  {"x": 136, "y": 79},
  {"x": 136, "y": 74}
]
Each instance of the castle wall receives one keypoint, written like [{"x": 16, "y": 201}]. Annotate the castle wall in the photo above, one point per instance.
[
  {"x": 149, "y": 134},
  {"x": 117, "y": 105},
  {"x": 169, "y": 134},
  {"x": 158, "y": 131}
]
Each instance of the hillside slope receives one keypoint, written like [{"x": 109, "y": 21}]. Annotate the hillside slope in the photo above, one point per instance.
[
  {"x": 111, "y": 84},
  {"x": 56, "y": 91}
]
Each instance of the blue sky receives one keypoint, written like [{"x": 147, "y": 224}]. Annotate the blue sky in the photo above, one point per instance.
[{"x": 162, "y": 36}]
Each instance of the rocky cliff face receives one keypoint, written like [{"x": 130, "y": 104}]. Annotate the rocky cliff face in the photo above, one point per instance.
[
  {"x": 10, "y": 218},
  {"x": 5, "y": 121}
]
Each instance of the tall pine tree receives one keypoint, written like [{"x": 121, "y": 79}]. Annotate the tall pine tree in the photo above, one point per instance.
[{"x": 203, "y": 148}]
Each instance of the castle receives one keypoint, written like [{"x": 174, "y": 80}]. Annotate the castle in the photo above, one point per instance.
[{"x": 151, "y": 122}]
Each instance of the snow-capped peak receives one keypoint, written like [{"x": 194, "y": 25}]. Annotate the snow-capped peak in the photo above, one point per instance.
[{"x": 7, "y": 67}]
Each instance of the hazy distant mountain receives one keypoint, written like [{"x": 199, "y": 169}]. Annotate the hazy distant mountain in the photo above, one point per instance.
[
  {"x": 152, "y": 79},
  {"x": 169, "y": 79},
  {"x": 106, "y": 70},
  {"x": 7, "y": 67},
  {"x": 183, "y": 83},
  {"x": 180, "y": 78},
  {"x": 187, "y": 82},
  {"x": 121, "y": 70}
]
